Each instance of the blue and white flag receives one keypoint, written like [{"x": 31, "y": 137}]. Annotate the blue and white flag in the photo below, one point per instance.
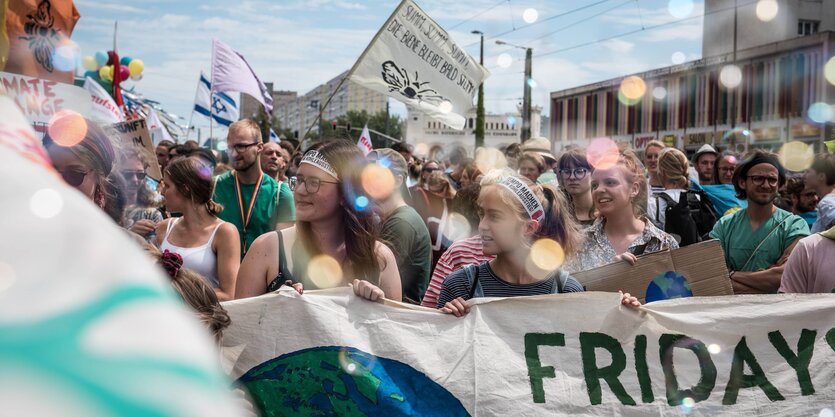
[
  {"x": 221, "y": 107},
  {"x": 274, "y": 136}
]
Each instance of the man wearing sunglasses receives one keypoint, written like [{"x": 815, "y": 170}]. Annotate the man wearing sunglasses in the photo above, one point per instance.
[
  {"x": 758, "y": 240},
  {"x": 250, "y": 199}
]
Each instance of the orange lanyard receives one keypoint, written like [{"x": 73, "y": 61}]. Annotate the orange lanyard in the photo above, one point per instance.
[{"x": 245, "y": 217}]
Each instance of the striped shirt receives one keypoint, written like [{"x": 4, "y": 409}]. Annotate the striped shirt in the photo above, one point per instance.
[
  {"x": 457, "y": 285},
  {"x": 460, "y": 254}
]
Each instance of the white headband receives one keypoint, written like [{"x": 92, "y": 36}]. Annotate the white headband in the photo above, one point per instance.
[
  {"x": 318, "y": 160},
  {"x": 525, "y": 195}
]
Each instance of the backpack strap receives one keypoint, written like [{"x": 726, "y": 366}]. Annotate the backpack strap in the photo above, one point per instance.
[{"x": 472, "y": 280}]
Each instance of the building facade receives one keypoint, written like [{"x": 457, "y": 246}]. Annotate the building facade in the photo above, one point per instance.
[
  {"x": 688, "y": 105},
  {"x": 499, "y": 130},
  {"x": 298, "y": 112}
]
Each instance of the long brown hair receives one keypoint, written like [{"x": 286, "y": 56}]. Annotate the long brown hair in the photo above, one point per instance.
[
  {"x": 361, "y": 231},
  {"x": 193, "y": 179}
]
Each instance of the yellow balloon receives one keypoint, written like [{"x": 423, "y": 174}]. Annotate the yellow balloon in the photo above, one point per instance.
[
  {"x": 89, "y": 63},
  {"x": 106, "y": 73},
  {"x": 136, "y": 67}
]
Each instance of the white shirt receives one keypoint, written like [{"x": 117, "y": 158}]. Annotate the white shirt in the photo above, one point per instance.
[{"x": 658, "y": 205}]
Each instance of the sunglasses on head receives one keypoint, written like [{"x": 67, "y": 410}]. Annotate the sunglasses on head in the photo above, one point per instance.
[{"x": 74, "y": 176}]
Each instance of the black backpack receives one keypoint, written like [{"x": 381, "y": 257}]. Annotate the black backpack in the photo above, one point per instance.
[{"x": 690, "y": 219}]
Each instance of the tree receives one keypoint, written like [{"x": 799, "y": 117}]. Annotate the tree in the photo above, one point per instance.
[{"x": 358, "y": 119}]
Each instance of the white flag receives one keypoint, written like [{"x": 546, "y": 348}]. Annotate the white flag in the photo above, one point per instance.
[
  {"x": 412, "y": 59},
  {"x": 231, "y": 72},
  {"x": 157, "y": 130},
  {"x": 219, "y": 107},
  {"x": 104, "y": 110},
  {"x": 364, "y": 142}
]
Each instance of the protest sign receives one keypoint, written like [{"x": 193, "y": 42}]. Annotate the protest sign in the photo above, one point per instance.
[
  {"x": 40, "y": 99},
  {"x": 697, "y": 269},
  {"x": 332, "y": 353},
  {"x": 135, "y": 133},
  {"x": 413, "y": 59},
  {"x": 104, "y": 109}
]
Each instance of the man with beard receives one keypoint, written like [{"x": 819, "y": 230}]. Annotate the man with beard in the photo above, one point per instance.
[
  {"x": 250, "y": 199},
  {"x": 274, "y": 161},
  {"x": 802, "y": 199},
  {"x": 758, "y": 240}
]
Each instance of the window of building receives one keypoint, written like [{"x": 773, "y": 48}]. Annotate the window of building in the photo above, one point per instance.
[
  {"x": 807, "y": 27},
  {"x": 470, "y": 122}
]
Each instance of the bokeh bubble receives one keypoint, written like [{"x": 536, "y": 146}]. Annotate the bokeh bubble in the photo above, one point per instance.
[
  {"x": 530, "y": 15},
  {"x": 377, "y": 181},
  {"x": 531, "y": 83},
  {"x": 547, "y": 254},
  {"x": 796, "y": 156},
  {"x": 829, "y": 70},
  {"x": 445, "y": 107},
  {"x": 602, "y": 153},
  {"x": 678, "y": 58},
  {"x": 421, "y": 149},
  {"x": 730, "y": 76},
  {"x": 487, "y": 159},
  {"x": 767, "y": 10},
  {"x": 46, "y": 203},
  {"x": 826, "y": 412},
  {"x": 680, "y": 8},
  {"x": 361, "y": 203},
  {"x": 625, "y": 100},
  {"x": 821, "y": 113},
  {"x": 659, "y": 93},
  {"x": 687, "y": 405},
  {"x": 222, "y": 146},
  {"x": 633, "y": 87},
  {"x": 714, "y": 349},
  {"x": 324, "y": 271},
  {"x": 511, "y": 121},
  {"x": 504, "y": 60},
  {"x": 66, "y": 56},
  {"x": 67, "y": 128},
  {"x": 457, "y": 227}
]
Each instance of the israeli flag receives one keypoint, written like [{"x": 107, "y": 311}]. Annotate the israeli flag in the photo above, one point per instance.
[
  {"x": 274, "y": 137},
  {"x": 221, "y": 107}
]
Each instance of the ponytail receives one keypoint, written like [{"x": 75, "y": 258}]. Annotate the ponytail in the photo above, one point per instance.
[
  {"x": 214, "y": 208},
  {"x": 558, "y": 222}
]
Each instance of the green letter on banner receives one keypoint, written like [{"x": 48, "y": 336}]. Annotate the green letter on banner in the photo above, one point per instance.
[
  {"x": 588, "y": 343},
  {"x": 642, "y": 369},
  {"x": 700, "y": 391},
  {"x": 800, "y": 362},
  {"x": 738, "y": 379},
  {"x": 537, "y": 372}
]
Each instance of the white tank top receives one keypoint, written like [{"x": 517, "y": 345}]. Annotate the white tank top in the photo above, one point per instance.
[{"x": 200, "y": 259}]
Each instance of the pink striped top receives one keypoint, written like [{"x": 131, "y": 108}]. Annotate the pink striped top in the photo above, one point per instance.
[{"x": 460, "y": 254}]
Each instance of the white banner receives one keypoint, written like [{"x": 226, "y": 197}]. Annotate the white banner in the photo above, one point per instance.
[
  {"x": 40, "y": 99},
  {"x": 329, "y": 352},
  {"x": 412, "y": 59},
  {"x": 104, "y": 109}
]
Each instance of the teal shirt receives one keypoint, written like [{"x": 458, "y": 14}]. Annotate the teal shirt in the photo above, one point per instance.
[
  {"x": 269, "y": 208},
  {"x": 739, "y": 241}
]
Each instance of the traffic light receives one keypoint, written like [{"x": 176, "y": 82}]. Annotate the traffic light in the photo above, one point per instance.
[{"x": 333, "y": 125}]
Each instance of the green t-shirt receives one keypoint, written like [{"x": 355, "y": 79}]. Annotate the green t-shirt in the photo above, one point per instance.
[
  {"x": 739, "y": 241},
  {"x": 269, "y": 209},
  {"x": 286, "y": 204},
  {"x": 407, "y": 236}
]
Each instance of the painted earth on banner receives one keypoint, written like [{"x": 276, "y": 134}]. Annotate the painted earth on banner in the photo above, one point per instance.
[{"x": 331, "y": 353}]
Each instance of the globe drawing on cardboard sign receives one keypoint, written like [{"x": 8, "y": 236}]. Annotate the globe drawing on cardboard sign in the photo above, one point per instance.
[
  {"x": 667, "y": 286},
  {"x": 344, "y": 381}
]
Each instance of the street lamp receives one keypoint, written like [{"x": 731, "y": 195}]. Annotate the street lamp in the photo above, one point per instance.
[
  {"x": 479, "y": 114},
  {"x": 526, "y": 100}
]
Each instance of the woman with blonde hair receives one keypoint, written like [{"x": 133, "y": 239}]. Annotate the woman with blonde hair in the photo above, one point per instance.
[{"x": 622, "y": 231}]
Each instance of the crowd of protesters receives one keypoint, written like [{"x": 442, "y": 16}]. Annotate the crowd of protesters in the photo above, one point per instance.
[{"x": 449, "y": 228}]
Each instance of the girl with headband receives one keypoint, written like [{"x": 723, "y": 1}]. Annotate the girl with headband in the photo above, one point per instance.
[
  {"x": 516, "y": 214},
  {"x": 332, "y": 224}
]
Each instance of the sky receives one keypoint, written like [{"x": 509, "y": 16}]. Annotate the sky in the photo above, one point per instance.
[{"x": 299, "y": 44}]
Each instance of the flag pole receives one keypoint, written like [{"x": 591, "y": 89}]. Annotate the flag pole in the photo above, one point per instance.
[
  {"x": 191, "y": 118},
  {"x": 351, "y": 71},
  {"x": 211, "y": 99}
]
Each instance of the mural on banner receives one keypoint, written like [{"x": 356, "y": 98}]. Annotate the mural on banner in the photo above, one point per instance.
[{"x": 344, "y": 381}]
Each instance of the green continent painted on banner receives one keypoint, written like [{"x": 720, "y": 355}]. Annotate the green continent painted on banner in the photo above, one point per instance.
[{"x": 343, "y": 381}]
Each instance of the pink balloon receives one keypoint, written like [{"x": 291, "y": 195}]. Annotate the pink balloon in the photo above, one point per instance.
[{"x": 124, "y": 72}]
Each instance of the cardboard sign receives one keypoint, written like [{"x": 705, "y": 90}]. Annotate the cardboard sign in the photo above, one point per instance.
[
  {"x": 40, "y": 99},
  {"x": 135, "y": 133},
  {"x": 702, "y": 265}
]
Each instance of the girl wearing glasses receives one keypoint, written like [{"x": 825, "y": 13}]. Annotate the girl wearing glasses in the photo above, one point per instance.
[
  {"x": 575, "y": 180},
  {"x": 334, "y": 222},
  {"x": 142, "y": 213},
  {"x": 207, "y": 245},
  {"x": 623, "y": 232}
]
